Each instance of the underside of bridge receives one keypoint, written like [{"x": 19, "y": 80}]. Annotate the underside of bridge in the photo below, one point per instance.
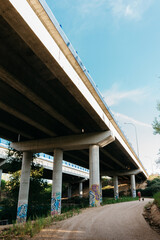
[{"x": 38, "y": 100}]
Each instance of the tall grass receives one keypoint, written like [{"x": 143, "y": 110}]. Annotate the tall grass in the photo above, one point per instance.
[
  {"x": 30, "y": 228},
  {"x": 121, "y": 199}
]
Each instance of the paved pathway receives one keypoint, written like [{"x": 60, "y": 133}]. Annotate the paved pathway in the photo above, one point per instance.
[{"x": 122, "y": 221}]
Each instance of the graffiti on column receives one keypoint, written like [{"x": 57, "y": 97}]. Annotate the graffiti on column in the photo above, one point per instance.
[
  {"x": 91, "y": 199},
  {"x": 134, "y": 193},
  {"x": 22, "y": 213},
  {"x": 56, "y": 204},
  {"x": 94, "y": 195},
  {"x": 100, "y": 197},
  {"x": 116, "y": 195}
]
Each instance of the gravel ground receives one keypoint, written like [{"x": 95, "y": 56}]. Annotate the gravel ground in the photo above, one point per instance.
[{"x": 121, "y": 221}]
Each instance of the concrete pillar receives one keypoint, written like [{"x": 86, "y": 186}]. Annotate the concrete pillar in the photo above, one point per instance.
[
  {"x": 0, "y": 182},
  {"x": 24, "y": 188},
  {"x": 57, "y": 183},
  {"x": 133, "y": 186},
  {"x": 69, "y": 191},
  {"x": 101, "y": 191},
  {"x": 94, "y": 193},
  {"x": 116, "y": 193},
  {"x": 0, "y": 176},
  {"x": 81, "y": 189}
]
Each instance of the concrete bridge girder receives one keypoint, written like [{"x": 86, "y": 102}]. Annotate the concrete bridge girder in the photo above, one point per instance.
[
  {"x": 58, "y": 60},
  {"x": 29, "y": 72},
  {"x": 73, "y": 142}
]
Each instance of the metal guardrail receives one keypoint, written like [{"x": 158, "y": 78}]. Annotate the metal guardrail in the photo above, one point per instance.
[
  {"x": 65, "y": 163},
  {"x": 4, "y": 222}
]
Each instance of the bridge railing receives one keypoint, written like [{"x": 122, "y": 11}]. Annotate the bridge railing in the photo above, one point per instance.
[{"x": 50, "y": 159}]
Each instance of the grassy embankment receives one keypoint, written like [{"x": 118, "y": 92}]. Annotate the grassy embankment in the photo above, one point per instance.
[{"x": 30, "y": 228}]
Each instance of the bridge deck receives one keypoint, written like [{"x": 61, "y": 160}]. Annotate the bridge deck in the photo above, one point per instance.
[{"x": 44, "y": 93}]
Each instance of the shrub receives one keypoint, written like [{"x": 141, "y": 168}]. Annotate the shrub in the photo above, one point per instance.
[
  {"x": 3, "y": 184},
  {"x": 153, "y": 186},
  {"x": 157, "y": 199}
]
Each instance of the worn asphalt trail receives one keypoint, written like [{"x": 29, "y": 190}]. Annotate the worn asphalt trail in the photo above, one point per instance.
[{"x": 121, "y": 221}]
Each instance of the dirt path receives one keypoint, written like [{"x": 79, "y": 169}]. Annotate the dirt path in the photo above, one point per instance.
[{"x": 122, "y": 221}]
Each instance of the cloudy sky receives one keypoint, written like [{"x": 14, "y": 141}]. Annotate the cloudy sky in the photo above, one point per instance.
[{"x": 119, "y": 43}]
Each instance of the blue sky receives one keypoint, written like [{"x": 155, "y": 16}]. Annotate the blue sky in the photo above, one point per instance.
[{"x": 119, "y": 43}]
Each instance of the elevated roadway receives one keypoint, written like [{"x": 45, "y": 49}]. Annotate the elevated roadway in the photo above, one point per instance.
[
  {"x": 44, "y": 92},
  {"x": 49, "y": 103},
  {"x": 46, "y": 161}
]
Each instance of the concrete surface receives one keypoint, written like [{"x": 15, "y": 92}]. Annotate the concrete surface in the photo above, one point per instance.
[{"x": 122, "y": 221}]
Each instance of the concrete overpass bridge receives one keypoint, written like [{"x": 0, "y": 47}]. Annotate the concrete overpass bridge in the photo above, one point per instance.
[
  {"x": 49, "y": 103},
  {"x": 72, "y": 173},
  {"x": 46, "y": 161}
]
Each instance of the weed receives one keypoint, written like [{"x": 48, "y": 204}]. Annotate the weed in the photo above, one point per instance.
[{"x": 121, "y": 199}]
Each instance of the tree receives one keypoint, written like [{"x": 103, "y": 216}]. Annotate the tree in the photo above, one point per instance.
[
  {"x": 156, "y": 127},
  {"x": 156, "y": 123},
  {"x": 39, "y": 193},
  {"x": 153, "y": 186}
]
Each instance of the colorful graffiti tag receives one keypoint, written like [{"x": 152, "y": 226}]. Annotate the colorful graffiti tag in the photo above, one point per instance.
[
  {"x": 91, "y": 199},
  {"x": 56, "y": 204},
  {"x": 94, "y": 195},
  {"x": 116, "y": 195},
  {"x": 134, "y": 193},
  {"x": 22, "y": 213}
]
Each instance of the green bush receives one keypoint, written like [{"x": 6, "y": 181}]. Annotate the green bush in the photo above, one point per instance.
[
  {"x": 157, "y": 199},
  {"x": 74, "y": 203},
  {"x": 39, "y": 196},
  {"x": 120, "y": 199},
  {"x": 3, "y": 184},
  {"x": 153, "y": 186}
]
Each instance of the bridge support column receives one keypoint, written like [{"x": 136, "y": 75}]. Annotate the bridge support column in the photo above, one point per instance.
[
  {"x": 0, "y": 182},
  {"x": 133, "y": 186},
  {"x": 57, "y": 183},
  {"x": 81, "y": 189},
  {"x": 69, "y": 191},
  {"x": 116, "y": 193},
  {"x": 24, "y": 187},
  {"x": 94, "y": 193},
  {"x": 0, "y": 176},
  {"x": 101, "y": 197}
]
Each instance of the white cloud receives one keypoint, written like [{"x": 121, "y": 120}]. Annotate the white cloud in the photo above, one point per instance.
[
  {"x": 125, "y": 118},
  {"x": 114, "y": 95},
  {"x": 89, "y": 6},
  {"x": 148, "y": 143},
  {"x": 129, "y": 9}
]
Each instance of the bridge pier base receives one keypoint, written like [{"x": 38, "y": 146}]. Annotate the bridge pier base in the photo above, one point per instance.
[
  {"x": 116, "y": 193},
  {"x": 94, "y": 184},
  {"x": 57, "y": 183},
  {"x": 81, "y": 189},
  {"x": 133, "y": 186},
  {"x": 24, "y": 188}
]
